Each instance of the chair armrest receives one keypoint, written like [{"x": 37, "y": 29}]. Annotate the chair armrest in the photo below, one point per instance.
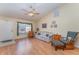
[
  {"x": 64, "y": 42},
  {"x": 63, "y": 39}
]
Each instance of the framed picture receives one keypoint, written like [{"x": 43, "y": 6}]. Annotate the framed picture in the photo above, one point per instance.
[{"x": 44, "y": 25}]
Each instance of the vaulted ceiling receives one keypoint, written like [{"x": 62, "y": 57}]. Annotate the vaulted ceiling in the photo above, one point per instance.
[{"x": 15, "y": 9}]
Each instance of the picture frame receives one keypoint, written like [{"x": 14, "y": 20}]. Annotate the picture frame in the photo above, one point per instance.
[{"x": 44, "y": 25}]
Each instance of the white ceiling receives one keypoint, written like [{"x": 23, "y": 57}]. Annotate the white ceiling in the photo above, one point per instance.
[{"x": 15, "y": 9}]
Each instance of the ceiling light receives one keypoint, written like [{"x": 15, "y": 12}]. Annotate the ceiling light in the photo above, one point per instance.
[{"x": 31, "y": 14}]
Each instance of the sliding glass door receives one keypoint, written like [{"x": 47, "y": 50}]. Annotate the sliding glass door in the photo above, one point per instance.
[{"x": 23, "y": 28}]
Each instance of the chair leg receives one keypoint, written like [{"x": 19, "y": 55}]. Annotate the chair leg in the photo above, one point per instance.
[
  {"x": 63, "y": 49},
  {"x": 55, "y": 48},
  {"x": 51, "y": 44}
]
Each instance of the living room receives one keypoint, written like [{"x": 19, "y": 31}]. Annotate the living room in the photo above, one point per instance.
[{"x": 28, "y": 28}]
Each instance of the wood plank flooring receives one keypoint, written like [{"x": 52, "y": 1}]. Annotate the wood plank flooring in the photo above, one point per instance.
[{"x": 34, "y": 47}]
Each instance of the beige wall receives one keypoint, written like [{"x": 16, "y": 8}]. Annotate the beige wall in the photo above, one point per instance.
[
  {"x": 68, "y": 20},
  {"x": 14, "y": 20},
  {"x": 35, "y": 25}
]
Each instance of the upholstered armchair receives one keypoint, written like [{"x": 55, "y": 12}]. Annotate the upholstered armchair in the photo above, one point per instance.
[
  {"x": 56, "y": 42},
  {"x": 71, "y": 36},
  {"x": 69, "y": 40}
]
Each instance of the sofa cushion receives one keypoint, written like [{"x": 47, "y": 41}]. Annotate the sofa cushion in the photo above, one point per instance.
[
  {"x": 47, "y": 35},
  {"x": 39, "y": 34},
  {"x": 56, "y": 43}
]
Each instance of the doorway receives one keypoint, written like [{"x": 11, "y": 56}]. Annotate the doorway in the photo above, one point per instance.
[{"x": 23, "y": 28}]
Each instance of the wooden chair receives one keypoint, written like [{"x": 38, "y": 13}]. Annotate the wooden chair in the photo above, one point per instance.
[{"x": 30, "y": 34}]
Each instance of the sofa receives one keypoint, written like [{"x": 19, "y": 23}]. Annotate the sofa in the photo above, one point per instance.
[{"x": 45, "y": 36}]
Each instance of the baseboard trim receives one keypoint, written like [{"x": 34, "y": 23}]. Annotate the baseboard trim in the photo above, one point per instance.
[{"x": 7, "y": 43}]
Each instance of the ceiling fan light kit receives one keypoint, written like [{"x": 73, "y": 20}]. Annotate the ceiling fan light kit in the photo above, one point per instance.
[{"x": 31, "y": 14}]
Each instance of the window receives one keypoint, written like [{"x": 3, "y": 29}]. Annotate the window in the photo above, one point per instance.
[{"x": 23, "y": 28}]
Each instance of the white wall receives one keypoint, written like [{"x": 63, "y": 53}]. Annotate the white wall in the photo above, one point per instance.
[
  {"x": 68, "y": 20},
  {"x": 35, "y": 25},
  {"x": 15, "y": 25}
]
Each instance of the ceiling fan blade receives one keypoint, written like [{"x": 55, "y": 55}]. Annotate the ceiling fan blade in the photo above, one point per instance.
[
  {"x": 37, "y": 13},
  {"x": 34, "y": 9},
  {"x": 24, "y": 10},
  {"x": 25, "y": 14}
]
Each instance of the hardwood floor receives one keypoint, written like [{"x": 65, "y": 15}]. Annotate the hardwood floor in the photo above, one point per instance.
[{"x": 34, "y": 47}]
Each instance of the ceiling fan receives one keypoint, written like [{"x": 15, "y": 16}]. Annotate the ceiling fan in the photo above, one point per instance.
[{"x": 32, "y": 12}]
